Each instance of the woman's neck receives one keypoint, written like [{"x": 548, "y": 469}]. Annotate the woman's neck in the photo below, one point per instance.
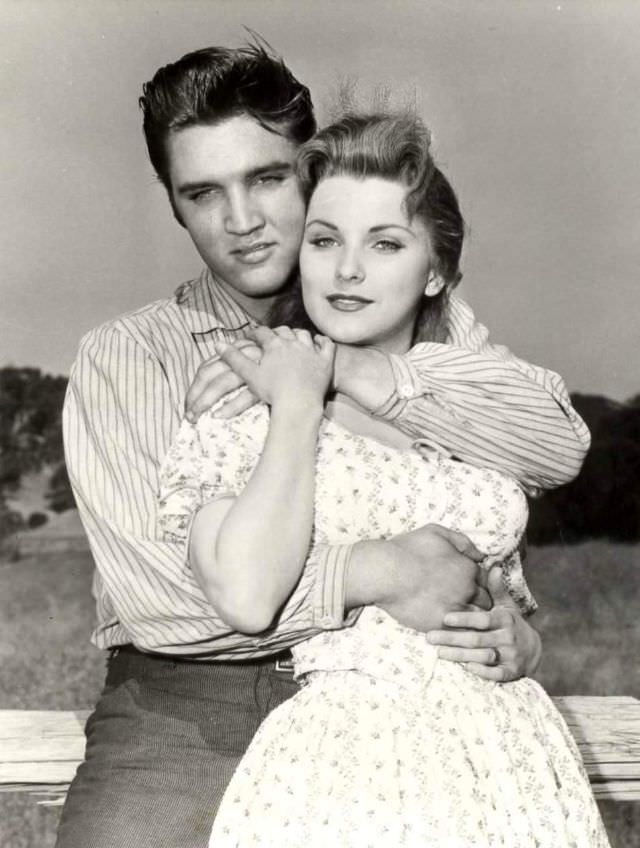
[{"x": 353, "y": 417}]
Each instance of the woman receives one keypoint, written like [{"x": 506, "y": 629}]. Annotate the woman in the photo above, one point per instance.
[{"x": 385, "y": 744}]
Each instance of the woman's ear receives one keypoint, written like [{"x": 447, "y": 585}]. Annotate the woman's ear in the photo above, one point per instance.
[{"x": 435, "y": 284}]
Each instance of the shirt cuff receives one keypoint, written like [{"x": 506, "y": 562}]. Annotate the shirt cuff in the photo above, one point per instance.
[
  {"x": 406, "y": 386},
  {"x": 330, "y": 589}
]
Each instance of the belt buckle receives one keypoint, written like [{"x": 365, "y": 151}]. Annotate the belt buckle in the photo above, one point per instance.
[{"x": 284, "y": 666}]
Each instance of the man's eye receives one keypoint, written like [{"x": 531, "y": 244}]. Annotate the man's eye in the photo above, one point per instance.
[
  {"x": 204, "y": 195},
  {"x": 269, "y": 179}
]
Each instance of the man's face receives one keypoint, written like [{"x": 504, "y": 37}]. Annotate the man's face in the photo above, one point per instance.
[{"x": 234, "y": 188}]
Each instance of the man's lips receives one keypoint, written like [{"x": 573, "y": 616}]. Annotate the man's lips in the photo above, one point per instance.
[{"x": 253, "y": 253}]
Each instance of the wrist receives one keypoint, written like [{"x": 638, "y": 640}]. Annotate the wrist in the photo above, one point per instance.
[
  {"x": 370, "y": 577},
  {"x": 342, "y": 367},
  {"x": 364, "y": 374},
  {"x": 297, "y": 412}
]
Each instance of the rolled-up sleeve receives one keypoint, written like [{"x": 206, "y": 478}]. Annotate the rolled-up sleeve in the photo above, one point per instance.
[{"x": 481, "y": 404}]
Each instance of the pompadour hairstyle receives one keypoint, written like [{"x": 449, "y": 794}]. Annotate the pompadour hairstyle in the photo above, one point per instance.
[{"x": 217, "y": 83}]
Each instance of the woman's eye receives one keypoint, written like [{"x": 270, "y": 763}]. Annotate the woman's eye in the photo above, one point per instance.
[
  {"x": 322, "y": 241},
  {"x": 387, "y": 245}
]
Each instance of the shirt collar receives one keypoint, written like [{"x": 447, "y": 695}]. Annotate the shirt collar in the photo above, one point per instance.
[{"x": 207, "y": 306}]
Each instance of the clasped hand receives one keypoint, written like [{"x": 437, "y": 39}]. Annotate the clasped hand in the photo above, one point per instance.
[
  {"x": 275, "y": 366},
  {"x": 496, "y": 644}
]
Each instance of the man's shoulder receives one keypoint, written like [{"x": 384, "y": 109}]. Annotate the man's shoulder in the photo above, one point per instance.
[{"x": 144, "y": 326}]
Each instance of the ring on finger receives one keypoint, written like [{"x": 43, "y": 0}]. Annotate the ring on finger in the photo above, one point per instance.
[{"x": 497, "y": 658}]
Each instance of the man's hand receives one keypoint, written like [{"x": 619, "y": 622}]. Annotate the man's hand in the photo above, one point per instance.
[
  {"x": 294, "y": 372},
  {"x": 214, "y": 380},
  {"x": 417, "y": 577},
  {"x": 496, "y": 645}
]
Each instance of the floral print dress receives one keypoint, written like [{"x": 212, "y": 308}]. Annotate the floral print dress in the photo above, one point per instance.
[{"x": 385, "y": 745}]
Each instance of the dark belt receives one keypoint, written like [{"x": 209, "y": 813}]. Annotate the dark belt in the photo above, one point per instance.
[{"x": 281, "y": 662}]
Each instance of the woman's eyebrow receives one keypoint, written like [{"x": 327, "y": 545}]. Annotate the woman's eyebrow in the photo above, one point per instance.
[
  {"x": 322, "y": 224},
  {"x": 380, "y": 227}
]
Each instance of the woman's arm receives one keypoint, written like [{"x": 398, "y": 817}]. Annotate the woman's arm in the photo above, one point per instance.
[{"x": 247, "y": 553}]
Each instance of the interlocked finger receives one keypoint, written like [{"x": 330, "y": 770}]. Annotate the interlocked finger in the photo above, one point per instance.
[
  {"x": 211, "y": 393},
  {"x": 304, "y": 336},
  {"x": 285, "y": 332},
  {"x": 244, "y": 400}
]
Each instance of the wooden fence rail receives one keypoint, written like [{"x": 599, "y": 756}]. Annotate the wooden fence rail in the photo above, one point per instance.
[{"x": 40, "y": 750}]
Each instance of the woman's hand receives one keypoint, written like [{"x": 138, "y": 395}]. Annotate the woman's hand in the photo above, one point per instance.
[
  {"x": 295, "y": 370},
  {"x": 215, "y": 384},
  {"x": 497, "y": 644}
]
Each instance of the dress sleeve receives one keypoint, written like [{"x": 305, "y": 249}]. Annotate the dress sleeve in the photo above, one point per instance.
[
  {"x": 479, "y": 403},
  {"x": 209, "y": 460}
]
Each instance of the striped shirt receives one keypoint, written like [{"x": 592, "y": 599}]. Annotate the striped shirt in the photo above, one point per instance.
[{"x": 124, "y": 404}]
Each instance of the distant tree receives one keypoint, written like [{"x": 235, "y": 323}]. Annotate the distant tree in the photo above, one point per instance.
[
  {"x": 604, "y": 500},
  {"x": 37, "y": 519},
  {"x": 59, "y": 496},
  {"x": 30, "y": 422},
  {"x": 10, "y": 521}
]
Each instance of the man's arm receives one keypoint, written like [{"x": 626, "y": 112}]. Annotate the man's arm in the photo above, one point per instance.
[
  {"x": 119, "y": 420},
  {"x": 475, "y": 401}
]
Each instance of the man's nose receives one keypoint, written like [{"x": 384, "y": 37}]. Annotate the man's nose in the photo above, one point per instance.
[
  {"x": 350, "y": 268},
  {"x": 243, "y": 215}
]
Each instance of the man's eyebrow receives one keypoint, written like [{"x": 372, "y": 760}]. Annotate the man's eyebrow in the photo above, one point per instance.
[
  {"x": 269, "y": 168},
  {"x": 276, "y": 167}
]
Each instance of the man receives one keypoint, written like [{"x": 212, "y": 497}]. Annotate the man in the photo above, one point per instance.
[{"x": 184, "y": 693}]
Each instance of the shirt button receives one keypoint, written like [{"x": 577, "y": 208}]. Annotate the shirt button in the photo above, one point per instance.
[{"x": 406, "y": 391}]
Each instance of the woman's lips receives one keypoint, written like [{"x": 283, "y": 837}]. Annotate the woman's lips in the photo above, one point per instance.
[{"x": 348, "y": 303}]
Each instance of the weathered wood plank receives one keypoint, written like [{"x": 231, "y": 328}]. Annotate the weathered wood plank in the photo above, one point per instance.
[
  {"x": 40, "y": 750},
  {"x": 40, "y": 746}
]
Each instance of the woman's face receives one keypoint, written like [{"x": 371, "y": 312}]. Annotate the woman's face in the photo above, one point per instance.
[{"x": 364, "y": 265}]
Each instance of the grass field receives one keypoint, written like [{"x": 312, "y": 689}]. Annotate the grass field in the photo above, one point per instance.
[{"x": 589, "y": 596}]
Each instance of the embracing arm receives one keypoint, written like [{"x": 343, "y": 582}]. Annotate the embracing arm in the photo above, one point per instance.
[
  {"x": 473, "y": 400},
  {"x": 120, "y": 417}
]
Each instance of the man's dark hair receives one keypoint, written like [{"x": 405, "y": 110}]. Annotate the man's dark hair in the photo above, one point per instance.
[{"x": 217, "y": 83}]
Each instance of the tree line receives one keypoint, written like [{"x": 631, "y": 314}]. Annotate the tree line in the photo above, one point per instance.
[{"x": 602, "y": 502}]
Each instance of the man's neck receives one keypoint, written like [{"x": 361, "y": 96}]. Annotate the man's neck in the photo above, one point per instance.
[{"x": 257, "y": 308}]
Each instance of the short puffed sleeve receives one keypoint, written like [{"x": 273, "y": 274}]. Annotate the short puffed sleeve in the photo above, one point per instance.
[{"x": 211, "y": 459}]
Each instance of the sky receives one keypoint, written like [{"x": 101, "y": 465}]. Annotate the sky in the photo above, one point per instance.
[{"x": 533, "y": 106}]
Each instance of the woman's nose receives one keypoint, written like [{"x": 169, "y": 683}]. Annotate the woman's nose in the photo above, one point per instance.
[{"x": 349, "y": 268}]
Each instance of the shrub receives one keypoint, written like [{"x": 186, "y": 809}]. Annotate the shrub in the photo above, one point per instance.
[{"x": 37, "y": 519}]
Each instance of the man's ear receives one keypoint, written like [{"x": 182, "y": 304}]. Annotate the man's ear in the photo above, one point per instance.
[{"x": 435, "y": 284}]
